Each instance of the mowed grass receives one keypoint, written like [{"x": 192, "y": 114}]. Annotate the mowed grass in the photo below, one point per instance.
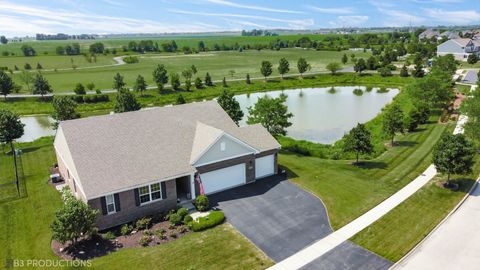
[
  {"x": 8, "y": 188},
  {"x": 51, "y": 62},
  {"x": 217, "y": 64},
  {"x": 349, "y": 191},
  {"x": 151, "y": 98},
  {"x": 396, "y": 233},
  {"x": 25, "y": 233}
]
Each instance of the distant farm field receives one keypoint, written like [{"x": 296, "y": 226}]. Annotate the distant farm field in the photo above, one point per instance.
[{"x": 218, "y": 64}]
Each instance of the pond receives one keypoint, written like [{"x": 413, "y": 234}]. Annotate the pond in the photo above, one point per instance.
[
  {"x": 324, "y": 117},
  {"x": 36, "y": 127}
]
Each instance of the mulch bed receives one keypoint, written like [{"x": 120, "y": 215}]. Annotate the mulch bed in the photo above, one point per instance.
[{"x": 97, "y": 246}]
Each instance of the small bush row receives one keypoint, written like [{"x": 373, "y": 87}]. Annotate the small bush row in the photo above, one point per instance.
[
  {"x": 91, "y": 98},
  {"x": 212, "y": 220}
]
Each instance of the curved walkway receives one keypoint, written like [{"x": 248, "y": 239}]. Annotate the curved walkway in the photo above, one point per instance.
[
  {"x": 325, "y": 245},
  {"x": 455, "y": 244}
]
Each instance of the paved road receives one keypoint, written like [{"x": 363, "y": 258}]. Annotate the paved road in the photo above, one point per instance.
[
  {"x": 323, "y": 246},
  {"x": 281, "y": 219},
  {"x": 454, "y": 245}
]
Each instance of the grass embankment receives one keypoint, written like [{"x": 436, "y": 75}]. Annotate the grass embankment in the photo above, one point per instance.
[
  {"x": 25, "y": 106},
  {"x": 405, "y": 226},
  {"x": 349, "y": 191},
  {"x": 218, "y": 64},
  {"x": 25, "y": 233}
]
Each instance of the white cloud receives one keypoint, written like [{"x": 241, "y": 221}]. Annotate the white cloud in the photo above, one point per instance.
[
  {"x": 349, "y": 21},
  {"x": 394, "y": 17},
  {"x": 293, "y": 23},
  {"x": 453, "y": 17},
  {"x": 343, "y": 10},
  {"x": 253, "y": 7}
]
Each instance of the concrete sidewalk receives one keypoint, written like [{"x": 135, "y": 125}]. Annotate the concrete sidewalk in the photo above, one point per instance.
[
  {"x": 454, "y": 245},
  {"x": 321, "y": 247}
]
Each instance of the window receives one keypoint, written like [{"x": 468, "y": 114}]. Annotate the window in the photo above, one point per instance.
[
  {"x": 150, "y": 193},
  {"x": 222, "y": 146},
  {"x": 110, "y": 202}
]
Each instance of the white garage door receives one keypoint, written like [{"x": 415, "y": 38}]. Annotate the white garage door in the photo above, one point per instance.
[
  {"x": 224, "y": 178},
  {"x": 264, "y": 166}
]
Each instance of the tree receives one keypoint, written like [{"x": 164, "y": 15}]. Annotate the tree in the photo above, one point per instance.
[
  {"x": 446, "y": 63},
  {"x": 118, "y": 82},
  {"x": 360, "y": 66},
  {"x": 393, "y": 121},
  {"x": 41, "y": 85},
  {"x": 73, "y": 220},
  {"x": 3, "y": 40},
  {"x": 344, "y": 59},
  {"x": 272, "y": 113},
  {"x": 160, "y": 76},
  {"x": 187, "y": 74},
  {"x": 27, "y": 78},
  {"x": 404, "y": 71},
  {"x": 371, "y": 63},
  {"x": 181, "y": 100},
  {"x": 431, "y": 90},
  {"x": 28, "y": 50},
  {"x": 90, "y": 86},
  {"x": 125, "y": 101},
  {"x": 224, "y": 82},
  {"x": 198, "y": 83},
  {"x": 471, "y": 108},
  {"x": 247, "y": 79},
  {"x": 64, "y": 108},
  {"x": 302, "y": 66},
  {"x": 230, "y": 105},
  {"x": 97, "y": 47},
  {"x": 140, "y": 85},
  {"x": 413, "y": 119},
  {"x": 385, "y": 72},
  {"x": 201, "y": 46},
  {"x": 6, "y": 84},
  {"x": 266, "y": 69},
  {"x": 334, "y": 67},
  {"x": 11, "y": 128},
  {"x": 418, "y": 71},
  {"x": 27, "y": 66},
  {"x": 283, "y": 66},
  {"x": 358, "y": 140},
  {"x": 175, "y": 81},
  {"x": 472, "y": 59},
  {"x": 453, "y": 154},
  {"x": 79, "y": 89},
  {"x": 208, "y": 80}
]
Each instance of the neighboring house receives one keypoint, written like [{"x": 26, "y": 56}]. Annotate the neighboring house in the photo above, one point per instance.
[
  {"x": 450, "y": 34},
  {"x": 470, "y": 77},
  {"x": 428, "y": 34},
  {"x": 134, "y": 164},
  {"x": 461, "y": 48}
]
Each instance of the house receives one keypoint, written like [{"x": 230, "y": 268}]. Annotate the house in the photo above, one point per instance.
[
  {"x": 428, "y": 34},
  {"x": 134, "y": 164},
  {"x": 450, "y": 34},
  {"x": 460, "y": 48}
]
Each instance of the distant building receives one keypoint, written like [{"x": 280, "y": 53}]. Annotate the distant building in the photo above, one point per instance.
[
  {"x": 428, "y": 34},
  {"x": 450, "y": 34},
  {"x": 461, "y": 48}
]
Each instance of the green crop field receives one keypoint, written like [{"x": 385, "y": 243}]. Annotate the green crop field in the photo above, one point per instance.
[{"x": 218, "y": 64}]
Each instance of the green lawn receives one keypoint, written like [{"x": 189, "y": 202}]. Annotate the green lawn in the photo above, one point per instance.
[
  {"x": 218, "y": 64},
  {"x": 50, "y": 62},
  {"x": 401, "y": 229},
  {"x": 26, "y": 106},
  {"x": 25, "y": 232},
  {"x": 349, "y": 191}
]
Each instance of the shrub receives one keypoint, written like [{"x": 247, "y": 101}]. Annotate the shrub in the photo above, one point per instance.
[
  {"x": 79, "y": 89},
  {"x": 202, "y": 203},
  {"x": 212, "y": 220},
  {"x": 182, "y": 229},
  {"x": 382, "y": 90},
  {"x": 78, "y": 99},
  {"x": 126, "y": 229},
  {"x": 148, "y": 232},
  {"x": 369, "y": 89},
  {"x": 143, "y": 223},
  {"x": 187, "y": 219},
  {"x": 145, "y": 240},
  {"x": 109, "y": 235},
  {"x": 358, "y": 92},
  {"x": 130, "y": 59},
  {"x": 182, "y": 212},
  {"x": 175, "y": 219}
]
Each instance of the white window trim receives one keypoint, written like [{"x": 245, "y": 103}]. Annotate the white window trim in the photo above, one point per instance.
[
  {"x": 150, "y": 194},
  {"x": 114, "y": 205}
]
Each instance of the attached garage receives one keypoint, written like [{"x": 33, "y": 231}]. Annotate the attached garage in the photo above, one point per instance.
[
  {"x": 264, "y": 166},
  {"x": 222, "y": 179}
]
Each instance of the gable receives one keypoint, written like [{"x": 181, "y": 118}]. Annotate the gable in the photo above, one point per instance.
[{"x": 225, "y": 147}]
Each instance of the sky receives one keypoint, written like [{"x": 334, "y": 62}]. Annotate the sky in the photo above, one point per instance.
[{"x": 28, "y": 17}]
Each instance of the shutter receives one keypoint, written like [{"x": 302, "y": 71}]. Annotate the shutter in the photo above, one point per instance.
[
  {"x": 117, "y": 202},
  {"x": 137, "y": 198},
  {"x": 164, "y": 190},
  {"x": 103, "y": 201}
]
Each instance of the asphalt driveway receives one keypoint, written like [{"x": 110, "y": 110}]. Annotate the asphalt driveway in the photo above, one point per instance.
[{"x": 282, "y": 219}]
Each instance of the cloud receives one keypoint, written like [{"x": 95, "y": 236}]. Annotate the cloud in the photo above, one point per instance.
[
  {"x": 293, "y": 23},
  {"x": 253, "y": 7},
  {"x": 343, "y": 10},
  {"x": 454, "y": 17},
  {"x": 114, "y": 3},
  {"x": 394, "y": 17},
  {"x": 349, "y": 21}
]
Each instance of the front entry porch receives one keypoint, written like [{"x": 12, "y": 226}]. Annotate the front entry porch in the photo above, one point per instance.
[{"x": 185, "y": 188}]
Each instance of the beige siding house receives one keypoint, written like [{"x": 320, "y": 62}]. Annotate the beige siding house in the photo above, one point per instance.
[{"x": 139, "y": 163}]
